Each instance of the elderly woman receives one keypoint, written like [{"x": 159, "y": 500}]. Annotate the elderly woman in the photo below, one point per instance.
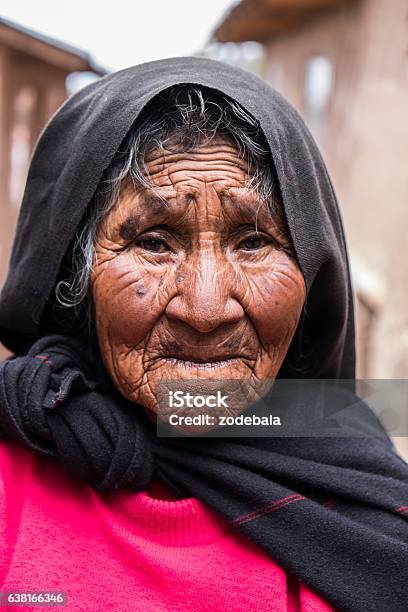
[{"x": 179, "y": 224}]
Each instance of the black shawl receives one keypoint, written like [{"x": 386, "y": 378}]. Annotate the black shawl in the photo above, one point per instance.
[{"x": 331, "y": 510}]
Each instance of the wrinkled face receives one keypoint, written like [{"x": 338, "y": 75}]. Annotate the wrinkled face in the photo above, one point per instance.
[{"x": 194, "y": 280}]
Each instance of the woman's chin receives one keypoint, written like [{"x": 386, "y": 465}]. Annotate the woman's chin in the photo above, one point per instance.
[{"x": 191, "y": 397}]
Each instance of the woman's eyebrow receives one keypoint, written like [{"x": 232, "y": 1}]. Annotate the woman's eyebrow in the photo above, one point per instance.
[
  {"x": 240, "y": 204},
  {"x": 150, "y": 206},
  {"x": 129, "y": 227}
]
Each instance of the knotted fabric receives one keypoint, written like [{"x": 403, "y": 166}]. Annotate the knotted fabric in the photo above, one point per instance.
[{"x": 333, "y": 511}]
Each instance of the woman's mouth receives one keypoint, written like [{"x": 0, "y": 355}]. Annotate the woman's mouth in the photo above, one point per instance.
[{"x": 208, "y": 363}]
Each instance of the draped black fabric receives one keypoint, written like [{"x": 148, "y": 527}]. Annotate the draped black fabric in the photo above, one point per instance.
[
  {"x": 80, "y": 142},
  {"x": 332, "y": 511}
]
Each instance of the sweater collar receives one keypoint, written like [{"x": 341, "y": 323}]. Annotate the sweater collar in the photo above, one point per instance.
[{"x": 157, "y": 515}]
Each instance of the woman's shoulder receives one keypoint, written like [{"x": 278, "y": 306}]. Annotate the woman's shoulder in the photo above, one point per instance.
[
  {"x": 24, "y": 474},
  {"x": 15, "y": 460},
  {"x": 37, "y": 495}
]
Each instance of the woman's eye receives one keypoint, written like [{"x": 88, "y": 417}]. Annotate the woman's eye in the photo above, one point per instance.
[
  {"x": 154, "y": 245},
  {"x": 252, "y": 243}
]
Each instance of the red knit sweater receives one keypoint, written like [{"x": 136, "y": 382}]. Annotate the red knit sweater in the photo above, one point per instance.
[{"x": 129, "y": 551}]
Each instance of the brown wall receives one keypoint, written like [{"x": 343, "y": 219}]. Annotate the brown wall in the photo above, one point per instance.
[
  {"x": 365, "y": 143},
  {"x": 32, "y": 87},
  {"x": 30, "y": 91}
]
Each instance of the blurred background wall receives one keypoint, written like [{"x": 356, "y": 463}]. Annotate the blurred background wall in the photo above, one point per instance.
[
  {"x": 33, "y": 84},
  {"x": 344, "y": 66}
]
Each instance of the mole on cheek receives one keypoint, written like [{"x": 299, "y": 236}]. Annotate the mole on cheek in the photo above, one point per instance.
[{"x": 140, "y": 290}]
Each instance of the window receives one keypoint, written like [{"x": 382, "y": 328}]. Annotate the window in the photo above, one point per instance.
[
  {"x": 318, "y": 84},
  {"x": 20, "y": 141}
]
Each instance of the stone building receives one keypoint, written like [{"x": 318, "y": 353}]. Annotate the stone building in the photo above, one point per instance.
[{"x": 344, "y": 66}]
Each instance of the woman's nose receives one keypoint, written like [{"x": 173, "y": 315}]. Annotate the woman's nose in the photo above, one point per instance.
[{"x": 205, "y": 298}]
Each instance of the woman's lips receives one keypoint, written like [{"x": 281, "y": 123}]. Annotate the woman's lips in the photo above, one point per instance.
[{"x": 212, "y": 363}]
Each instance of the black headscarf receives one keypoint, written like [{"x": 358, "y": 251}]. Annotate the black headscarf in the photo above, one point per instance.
[{"x": 333, "y": 511}]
